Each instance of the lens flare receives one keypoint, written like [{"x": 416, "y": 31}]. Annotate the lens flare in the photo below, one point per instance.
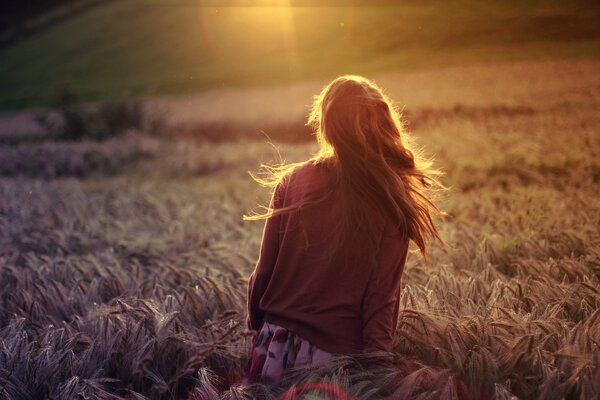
[{"x": 315, "y": 390}]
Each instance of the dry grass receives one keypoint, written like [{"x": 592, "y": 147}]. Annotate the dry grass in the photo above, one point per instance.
[{"x": 129, "y": 281}]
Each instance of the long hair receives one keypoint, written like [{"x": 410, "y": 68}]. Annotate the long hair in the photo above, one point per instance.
[{"x": 374, "y": 167}]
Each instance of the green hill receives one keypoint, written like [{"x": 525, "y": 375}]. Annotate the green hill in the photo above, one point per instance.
[{"x": 130, "y": 47}]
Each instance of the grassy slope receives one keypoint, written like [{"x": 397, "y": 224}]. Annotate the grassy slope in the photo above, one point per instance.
[
  {"x": 120, "y": 259},
  {"x": 148, "y": 47}
]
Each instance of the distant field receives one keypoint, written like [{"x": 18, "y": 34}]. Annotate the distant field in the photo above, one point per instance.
[
  {"x": 144, "y": 47},
  {"x": 124, "y": 264}
]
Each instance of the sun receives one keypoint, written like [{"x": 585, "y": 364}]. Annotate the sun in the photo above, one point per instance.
[{"x": 264, "y": 28}]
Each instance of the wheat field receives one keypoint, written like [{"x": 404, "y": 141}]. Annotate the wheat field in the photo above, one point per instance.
[{"x": 124, "y": 263}]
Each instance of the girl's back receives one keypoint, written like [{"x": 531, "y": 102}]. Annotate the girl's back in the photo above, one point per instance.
[
  {"x": 331, "y": 299},
  {"x": 337, "y": 232}
]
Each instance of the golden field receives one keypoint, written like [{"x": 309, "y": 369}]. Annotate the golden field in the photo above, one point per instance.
[{"x": 124, "y": 263}]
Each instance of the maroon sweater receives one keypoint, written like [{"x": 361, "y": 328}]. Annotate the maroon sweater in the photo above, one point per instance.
[{"x": 345, "y": 304}]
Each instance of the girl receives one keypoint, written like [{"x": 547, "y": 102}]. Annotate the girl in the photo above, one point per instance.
[{"x": 336, "y": 236}]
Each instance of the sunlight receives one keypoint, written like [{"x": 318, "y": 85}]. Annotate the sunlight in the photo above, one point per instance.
[
  {"x": 264, "y": 30},
  {"x": 274, "y": 22},
  {"x": 180, "y": 177}
]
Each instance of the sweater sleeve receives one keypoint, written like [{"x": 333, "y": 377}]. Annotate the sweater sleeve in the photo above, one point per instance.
[
  {"x": 381, "y": 301},
  {"x": 269, "y": 250}
]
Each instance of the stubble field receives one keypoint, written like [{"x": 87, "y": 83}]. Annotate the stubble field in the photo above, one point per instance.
[{"x": 124, "y": 264}]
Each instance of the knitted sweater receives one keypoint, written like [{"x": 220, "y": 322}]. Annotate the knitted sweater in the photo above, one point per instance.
[{"x": 345, "y": 304}]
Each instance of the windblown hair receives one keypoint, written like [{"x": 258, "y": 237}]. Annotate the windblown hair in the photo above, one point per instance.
[{"x": 362, "y": 140}]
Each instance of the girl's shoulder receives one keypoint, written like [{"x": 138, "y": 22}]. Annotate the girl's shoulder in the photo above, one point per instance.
[
  {"x": 311, "y": 171},
  {"x": 304, "y": 178}
]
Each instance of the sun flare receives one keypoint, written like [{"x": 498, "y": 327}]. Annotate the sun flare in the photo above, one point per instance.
[{"x": 266, "y": 29}]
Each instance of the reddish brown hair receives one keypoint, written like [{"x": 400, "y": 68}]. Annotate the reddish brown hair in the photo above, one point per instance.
[{"x": 374, "y": 167}]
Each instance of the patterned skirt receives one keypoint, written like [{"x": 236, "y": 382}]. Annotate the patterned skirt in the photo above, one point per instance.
[{"x": 276, "y": 349}]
